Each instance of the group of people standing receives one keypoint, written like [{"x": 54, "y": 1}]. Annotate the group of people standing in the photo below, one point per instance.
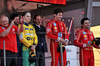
[
  {"x": 21, "y": 35},
  {"x": 32, "y": 38}
]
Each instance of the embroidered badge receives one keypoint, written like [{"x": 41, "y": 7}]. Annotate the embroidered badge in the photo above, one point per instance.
[
  {"x": 55, "y": 28},
  {"x": 13, "y": 29},
  {"x": 26, "y": 28},
  {"x": 54, "y": 24},
  {"x": 31, "y": 29},
  {"x": 62, "y": 28},
  {"x": 27, "y": 33},
  {"x": 3, "y": 28},
  {"x": 90, "y": 33},
  {"x": 85, "y": 36},
  {"x": 66, "y": 28},
  {"x": 92, "y": 37},
  {"x": 60, "y": 34},
  {"x": 63, "y": 20},
  {"x": 84, "y": 32},
  {"x": 61, "y": 24},
  {"x": 31, "y": 34}
]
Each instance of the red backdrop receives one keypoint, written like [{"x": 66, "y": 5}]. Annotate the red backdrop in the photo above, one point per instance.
[{"x": 62, "y": 2}]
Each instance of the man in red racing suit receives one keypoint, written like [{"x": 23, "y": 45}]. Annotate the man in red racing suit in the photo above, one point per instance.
[
  {"x": 56, "y": 31},
  {"x": 82, "y": 39}
]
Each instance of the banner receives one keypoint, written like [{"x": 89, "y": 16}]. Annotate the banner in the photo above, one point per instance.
[
  {"x": 62, "y": 2},
  {"x": 67, "y": 21}
]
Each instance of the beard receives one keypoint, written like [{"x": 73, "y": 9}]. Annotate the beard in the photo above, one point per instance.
[{"x": 16, "y": 23}]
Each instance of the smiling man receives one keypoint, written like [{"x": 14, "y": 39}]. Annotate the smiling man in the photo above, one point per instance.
[
  {"x": 82, "y": 39},
  {"x": 57, "y": 32},
  {"x": 8, "y": 34},
  {"x": 41, "y": 48}
]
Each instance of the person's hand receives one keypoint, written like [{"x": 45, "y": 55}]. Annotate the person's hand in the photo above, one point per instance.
[
  {"x": 12, "y": 22},
  {"x": 66, "y": 43},
  {"x": 62, "y": 40},
  {"x": 21, "y": 20},
  {"x": 88, "y": 44},
  {"x": 32, "y": 47}
]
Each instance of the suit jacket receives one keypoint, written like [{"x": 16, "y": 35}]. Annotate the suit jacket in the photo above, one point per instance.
[{"x": 41, "y": 32}]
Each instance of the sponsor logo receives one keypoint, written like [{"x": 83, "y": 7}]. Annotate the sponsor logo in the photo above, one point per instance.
[
  {"x": 13, "y": 29},
  {"x": 60, "y": 34},
  {"x": 31, "y": 29},
  {"x": 27, "y": 33},
  {"x": 26, "y": 28},
  {"x": 90, "y": 33},
  {"x": 62, "y": 28},
  {"x": 3, "y": 28},
  {"x": 55, "y": 28},
  {"x": 85, "y": 36},
  {"x": 54, "y": 24},
  {"x": 31, "y": 34},
  {"x": 75, "y": 38},
  {"x": 92, "y": 37},
  {"x": 61, "y": 23},
  {"x": 84, "y": 32}
]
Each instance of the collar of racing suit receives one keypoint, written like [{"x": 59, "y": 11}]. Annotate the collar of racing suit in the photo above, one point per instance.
[
  {"x": 27, "y": 24},
  {"x": 85, "y": 29}
]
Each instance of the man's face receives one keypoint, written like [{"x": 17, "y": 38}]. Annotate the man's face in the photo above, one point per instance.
[
  {"x": 4, "y": 21},
  {"x": 86, "y": 24},
  {"x": 38, "y": 20},
  {"x": 27, "y": 17},
  {"x": 58, "y": 16},
  {"x": 17, "y": 20}
]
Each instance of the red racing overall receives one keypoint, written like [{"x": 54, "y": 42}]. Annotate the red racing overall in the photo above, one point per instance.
[
  {"x": 53, "y": 29},
  {"x": 83, "y": 36}
]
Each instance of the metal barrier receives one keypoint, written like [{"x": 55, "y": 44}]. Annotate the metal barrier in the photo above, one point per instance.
[{"x": 4, "y": 53}]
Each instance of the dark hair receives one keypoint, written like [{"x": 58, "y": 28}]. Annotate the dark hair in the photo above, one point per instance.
[
  {"x": 82, "y": 20},
  {"x": 24, "y": 13},
  {"x": 13, "y": 16},
  {"x": 36, "y": 16},
  {"x": 58, "y": 10}
]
